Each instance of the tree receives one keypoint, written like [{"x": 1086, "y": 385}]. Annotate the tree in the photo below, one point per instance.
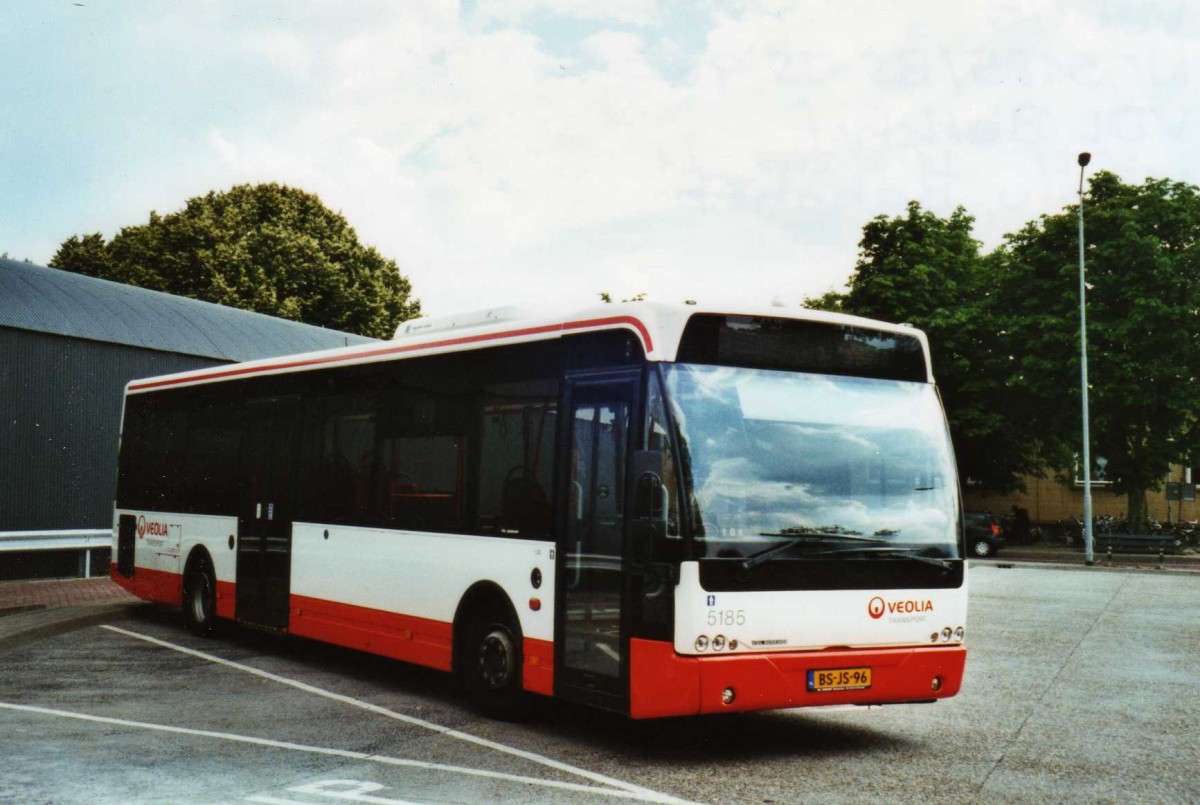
[
  {"x": 927, "y": 271},
  {"x": 268, "y": 248},
  {"x": 1143, "y": 306},
  {"x": 607, "y": 299}
]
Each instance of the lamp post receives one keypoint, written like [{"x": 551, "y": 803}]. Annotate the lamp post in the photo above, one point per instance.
[{"x": 1088, "y": 555}]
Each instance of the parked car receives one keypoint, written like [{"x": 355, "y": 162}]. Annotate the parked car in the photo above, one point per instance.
[{"x": 985, "y": 535}]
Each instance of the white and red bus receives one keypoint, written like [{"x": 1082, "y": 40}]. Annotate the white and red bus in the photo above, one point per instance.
[{"x": 658, "y": 510}]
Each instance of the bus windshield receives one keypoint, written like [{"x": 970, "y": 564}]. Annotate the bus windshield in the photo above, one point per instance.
[{"x": 785, "y": 465}]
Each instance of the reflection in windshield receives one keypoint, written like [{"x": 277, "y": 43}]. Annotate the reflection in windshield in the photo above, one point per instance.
[{"x": 775, "y": 456}]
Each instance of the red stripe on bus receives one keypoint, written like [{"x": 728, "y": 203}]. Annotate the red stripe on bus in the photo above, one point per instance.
[
  {"x": 153, "y": 585},
  {"x": 401, "y": 637},
  {"x": 226, "y": 599},
  {"x": 663, "y": 683},
  {"x": 637, "y": 325},
  {"x": 165, "y": 587},
  {"x": 422, "y": 641},
  {"x": 538, "y": 674}
]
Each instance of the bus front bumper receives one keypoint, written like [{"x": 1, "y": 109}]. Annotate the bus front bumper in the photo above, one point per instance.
[{"x": 663, "y": 683}]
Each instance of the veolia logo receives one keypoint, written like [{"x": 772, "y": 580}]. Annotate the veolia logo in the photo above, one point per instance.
[
  {"x": 877, "y": 606},
  {"x": 151, "y": 527}
]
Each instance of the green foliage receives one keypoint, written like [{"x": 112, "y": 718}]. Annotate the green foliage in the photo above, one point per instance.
[
  {"x": 267, "y": 248},
  {"x": 925, "y": 270},
  {"x": 830, "y": 301},
  {"x": 85, "y": 255},
  {"x": 607, "y": 299},
  {"x": 1004, "y": 330},
  {"x": 1143, "y": 272}
]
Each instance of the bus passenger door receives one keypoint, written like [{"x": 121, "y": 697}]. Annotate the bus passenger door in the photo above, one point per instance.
[
  {"x": 264, "y": 545},
  {"x": 591, "y": 662}
]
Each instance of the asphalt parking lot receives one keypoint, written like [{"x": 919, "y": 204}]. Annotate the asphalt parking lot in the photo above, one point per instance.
[{"x": 1081, "y": 687}]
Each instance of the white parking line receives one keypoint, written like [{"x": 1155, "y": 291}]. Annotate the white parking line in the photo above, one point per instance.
[
  {"x": 341, "y": 753},
  {"x": 637, "y": 791},
  {"x": 345, "y": 790}
]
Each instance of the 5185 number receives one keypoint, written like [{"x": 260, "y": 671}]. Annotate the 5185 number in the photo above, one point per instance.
[{"x": 727, "y": 617}]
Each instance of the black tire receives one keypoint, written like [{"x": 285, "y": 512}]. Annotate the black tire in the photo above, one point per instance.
[
  {"x": 491, "y": 664},
  {"x": 200, "y": 598},
  {"x": 981, "y": 548}
]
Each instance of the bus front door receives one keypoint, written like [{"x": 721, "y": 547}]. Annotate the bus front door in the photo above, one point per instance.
[
  {"x": 591, "y": 663},
  {"x": 264, "y": 544}
]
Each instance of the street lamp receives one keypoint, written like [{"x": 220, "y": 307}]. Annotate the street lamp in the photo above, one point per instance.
[{"x": 1088, "y": 555}]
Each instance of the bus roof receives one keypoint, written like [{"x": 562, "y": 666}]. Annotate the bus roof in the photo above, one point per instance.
[{"x": 658, "y": 326}]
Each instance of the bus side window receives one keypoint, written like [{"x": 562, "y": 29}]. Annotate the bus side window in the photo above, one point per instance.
[
  {"x": 424, "y": 482},
  {"x": 339, "y": 476},
  {"x": 214, "y": 445},
  {"x": 517, "y": 460},
  {"x": 154, "y": 454},
  {"x": 133, "y": 476},
  {"x": 421, "y": 453}
]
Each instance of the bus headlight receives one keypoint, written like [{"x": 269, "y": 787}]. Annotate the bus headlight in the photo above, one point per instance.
[
  {"x": 959, "y": 633},
  {"x": 946, "y": 633},
  {"x": 702, "y": 643}
]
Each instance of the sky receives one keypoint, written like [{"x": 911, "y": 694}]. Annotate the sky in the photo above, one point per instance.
[{"x": 550, "y": 150}]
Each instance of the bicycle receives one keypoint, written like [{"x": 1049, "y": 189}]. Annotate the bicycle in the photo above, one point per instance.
[{"x": 1066, "y": 534}]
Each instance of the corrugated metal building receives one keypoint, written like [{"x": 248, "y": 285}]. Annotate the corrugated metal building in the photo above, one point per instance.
[{"x": 68, "y": 346}]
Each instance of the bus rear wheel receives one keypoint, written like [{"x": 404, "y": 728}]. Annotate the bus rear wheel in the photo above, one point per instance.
[
  {"x": 491, "y": 666},
  {"x": 200, "y": 598}
]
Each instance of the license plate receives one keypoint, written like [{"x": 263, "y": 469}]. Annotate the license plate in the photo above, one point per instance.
[{"x": 830, "y": 679}]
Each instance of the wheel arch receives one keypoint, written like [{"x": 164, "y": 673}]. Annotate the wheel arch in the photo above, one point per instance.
[
  {"x": 482, "y": 596},
  {"x": 198, "y": 555}
]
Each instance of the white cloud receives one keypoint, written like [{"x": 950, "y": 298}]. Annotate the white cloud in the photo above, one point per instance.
[
  {"x": 285, "y": 50},
  {"x": 495, "y": 156},
  {"x": 630, "y": 12},
  {"x": 226, "y": 151}
]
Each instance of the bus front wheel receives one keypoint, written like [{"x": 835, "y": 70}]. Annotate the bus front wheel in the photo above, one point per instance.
[
  {"x": 200, "y": 598},
  {"x": 491, "y": 666}
]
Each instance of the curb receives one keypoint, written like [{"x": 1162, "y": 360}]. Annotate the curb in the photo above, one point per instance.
[
  {"x": 1101, "y": 565},
  {"x": 17, "y": 610},
  {"x": 38, "y": 622}
]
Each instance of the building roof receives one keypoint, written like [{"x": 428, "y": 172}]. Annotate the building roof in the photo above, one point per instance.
[{"x": 50, "y": 300}]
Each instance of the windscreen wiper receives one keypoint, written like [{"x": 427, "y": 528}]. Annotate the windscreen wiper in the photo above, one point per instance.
[
  {"x": 799, "y": 539},
  {"x": 891, "y": 552}
]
